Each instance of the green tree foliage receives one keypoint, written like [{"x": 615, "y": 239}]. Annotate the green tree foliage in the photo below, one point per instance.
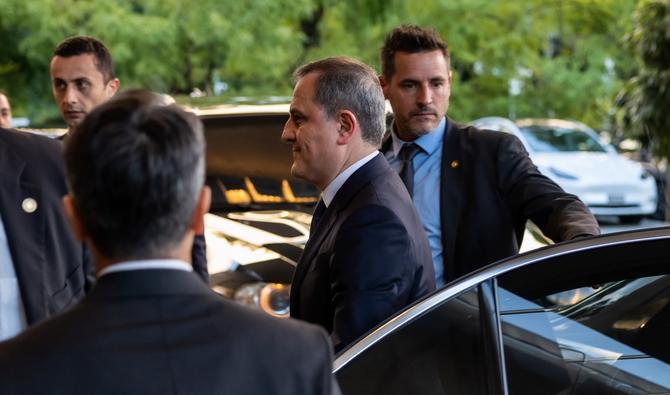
[
  {"x": 646, "y": 98},
  {"x": 170, "y": 46},
  {"x": 565, "y": 55}
]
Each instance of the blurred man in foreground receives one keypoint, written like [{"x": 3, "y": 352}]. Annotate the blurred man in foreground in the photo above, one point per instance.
[
  {"x": 136, "y": 173},
  {"x": 367, "y": 255}
]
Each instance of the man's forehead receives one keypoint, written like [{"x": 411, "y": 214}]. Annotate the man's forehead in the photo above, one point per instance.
[
  {"x": 4, "y": 103},
  {"x": 75, "y": 67},
  {"x": 420, "y": 65}
]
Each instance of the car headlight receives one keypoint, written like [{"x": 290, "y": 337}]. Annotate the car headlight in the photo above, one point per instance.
[
  {"x": 271, "y": 298},
  {"x": 562, "y": 174}
]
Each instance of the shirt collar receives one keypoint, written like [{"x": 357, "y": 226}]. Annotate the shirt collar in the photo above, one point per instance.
[
  {"x": 174, "y": 264},
  {"x": 329, "y": 193},
  {"x": 429, "y": 142}
]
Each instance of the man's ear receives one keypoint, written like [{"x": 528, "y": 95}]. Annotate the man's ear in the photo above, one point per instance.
[
  {"x": 384, "y": 84},
  {"x": 113, "y": 86},
  {"x": 201, "y": 208},
  {"x": 73, "y": 218},
  {"x": 348, "y": 125}
]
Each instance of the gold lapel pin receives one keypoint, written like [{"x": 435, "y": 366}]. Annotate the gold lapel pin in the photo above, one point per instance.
[
  {"x": 29, "y": 205},
  {"x": 454, "y": 164}
]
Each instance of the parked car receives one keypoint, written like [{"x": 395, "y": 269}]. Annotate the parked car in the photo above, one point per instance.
[
  {"x": 571, "y": 154},
  {"x": 260, "y": 215},
  {"x": 509, "y": 329}
]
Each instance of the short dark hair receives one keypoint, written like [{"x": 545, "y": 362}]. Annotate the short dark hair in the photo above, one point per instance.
[
  {"x": 80, "y": 45},
  {"x": 135, "y": 168},
  {"x": 345, "y": 83},
  {"x": 410, "y": 39}
]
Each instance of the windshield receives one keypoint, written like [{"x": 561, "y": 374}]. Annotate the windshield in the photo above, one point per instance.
[{"x": 549, "y": 139}]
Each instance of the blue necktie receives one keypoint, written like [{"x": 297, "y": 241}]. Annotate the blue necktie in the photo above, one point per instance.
[{"x": 406, "y": 154}]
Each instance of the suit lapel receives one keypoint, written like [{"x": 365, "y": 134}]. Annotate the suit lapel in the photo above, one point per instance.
[
  {"x": 341, "y": 201},
  {"x": 452, "y": 179},
  {"x": 25, "y": 231}
]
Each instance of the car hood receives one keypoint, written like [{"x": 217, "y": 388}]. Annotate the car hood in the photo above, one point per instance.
[{"x": 595, "y": 167}]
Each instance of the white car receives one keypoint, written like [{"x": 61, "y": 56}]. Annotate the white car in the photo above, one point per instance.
[{"x": 571, "y": 154}]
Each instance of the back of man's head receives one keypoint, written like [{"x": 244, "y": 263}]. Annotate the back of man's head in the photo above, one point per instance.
[
  {"x": 409, "y": 39},
  {"x": 135, "y": 170},
  {"x": 82, "y": 45},
  {"x": 345, "y": 83}
]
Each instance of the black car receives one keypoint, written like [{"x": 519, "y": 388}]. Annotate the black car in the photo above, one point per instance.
[{"x": 584, "y": 317}]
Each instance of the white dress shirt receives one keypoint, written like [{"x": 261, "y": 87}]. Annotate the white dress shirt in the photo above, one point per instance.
[
  {"x": 174, "y": 264},
  {"x": 12, "y": 312}
]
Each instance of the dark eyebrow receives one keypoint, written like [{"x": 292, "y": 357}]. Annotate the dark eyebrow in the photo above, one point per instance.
[{"x": 296, "y": 113}]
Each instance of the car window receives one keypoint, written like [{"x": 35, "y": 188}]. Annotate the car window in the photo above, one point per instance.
[
  {"x": 441, "y": 352},
  {"x": 549, "y": 139},
  {"x": 608, "y": 338}
]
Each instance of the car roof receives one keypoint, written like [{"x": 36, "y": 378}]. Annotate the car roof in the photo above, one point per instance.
[
  {"x": 240, "y": 110},
  {"x": 551, "y": 122}
]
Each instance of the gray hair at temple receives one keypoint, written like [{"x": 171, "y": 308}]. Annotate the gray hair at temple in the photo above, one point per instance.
[{"x": 345, "y": 83}]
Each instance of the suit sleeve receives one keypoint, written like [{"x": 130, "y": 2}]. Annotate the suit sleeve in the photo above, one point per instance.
[
  {"x": 199, "y": 257},
  {"x": 368, "y": 271},
  {"x": 561, "y": 216}
]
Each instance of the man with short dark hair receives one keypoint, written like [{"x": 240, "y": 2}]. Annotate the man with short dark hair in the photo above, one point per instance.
[
  {"x": 82, "y": 78},
  {"x": 5, "y": 111},
  {"x": 367, "y": 256},
  {"x": 136, "y": 173},
  {"x": 474, "y": 190}
]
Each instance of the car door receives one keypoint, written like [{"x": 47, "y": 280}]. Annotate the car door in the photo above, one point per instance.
[{"x": 586, "y": 317}]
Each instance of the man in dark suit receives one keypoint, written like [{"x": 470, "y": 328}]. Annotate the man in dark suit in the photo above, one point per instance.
[
  {"x": 474, "y": 190},
  {"x": 367, "y": 256},
  {"x": 43, "y": 269},
  {"x": 82, "y": 78},
  {"x": 150, "y": 326}
]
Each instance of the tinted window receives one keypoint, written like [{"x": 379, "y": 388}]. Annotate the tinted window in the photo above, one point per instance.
[
  {"x": 608, "y": 338},
  {"x": 441, "y": 352},
  {"x": 547, "y": 139}
]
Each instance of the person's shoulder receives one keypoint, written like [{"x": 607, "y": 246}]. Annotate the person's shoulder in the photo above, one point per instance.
[{"x": 26, "y": 143}]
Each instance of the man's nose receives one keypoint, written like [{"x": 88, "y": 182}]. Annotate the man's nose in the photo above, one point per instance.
[
  {"x": 287, "y": 134},
  {"x": 424, "y": 94},
  {"x": 70, "y": 95}
]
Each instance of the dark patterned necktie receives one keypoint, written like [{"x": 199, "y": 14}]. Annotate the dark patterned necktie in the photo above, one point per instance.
[
  {"x": 316, "y": 216},
  {"x": 406, "y": 154}
]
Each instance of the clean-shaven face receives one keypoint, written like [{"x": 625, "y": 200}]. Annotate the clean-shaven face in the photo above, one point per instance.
[
  {"x": 312, "y": 135},
  {"x": 78, "y": 86}
]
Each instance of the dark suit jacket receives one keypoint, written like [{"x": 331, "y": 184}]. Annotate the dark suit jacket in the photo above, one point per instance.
[
  {"x": 164, "y": 332},
  {"x": 54, "y": 270},
  {"x": 367, "y": 258},
  {"x": 489, "y": 187}
]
